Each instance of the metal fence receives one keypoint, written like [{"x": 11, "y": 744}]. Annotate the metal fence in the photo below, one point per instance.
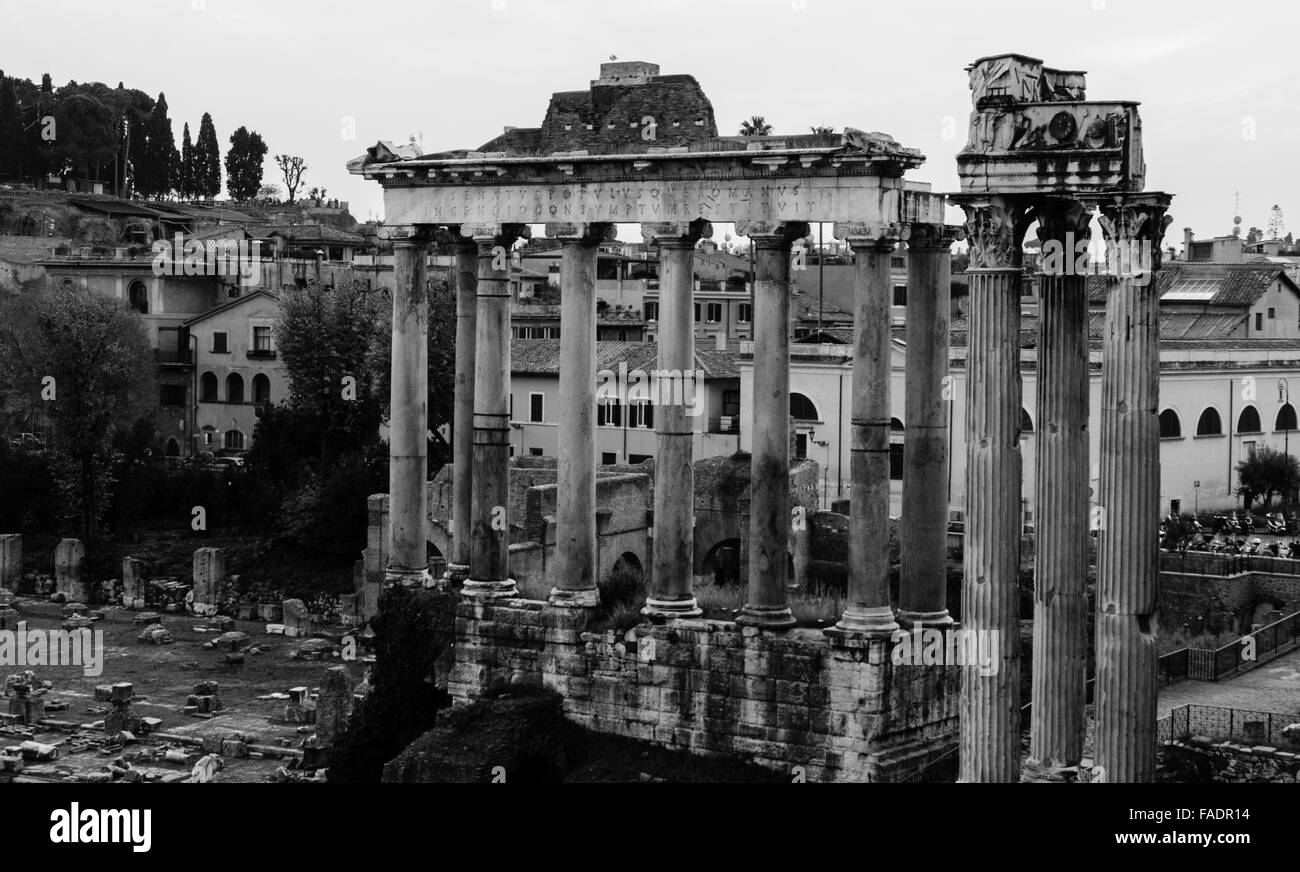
[
  {"x": 1207, "y": 563},
  {"x": 1228, "y": 724},
  {"x": 1210, "y": 665}
]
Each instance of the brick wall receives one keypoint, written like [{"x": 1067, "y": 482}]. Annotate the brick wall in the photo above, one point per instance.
[{"x": 839, "y": 710}]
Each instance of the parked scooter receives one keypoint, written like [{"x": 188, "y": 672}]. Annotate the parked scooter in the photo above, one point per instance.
[{"x": 1275, "y": 523}]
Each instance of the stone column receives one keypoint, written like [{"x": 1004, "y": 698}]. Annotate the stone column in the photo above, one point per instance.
[
  {"x": 1128, "y": 562},
  {"x": 11, "y": 560},
  {"x": 462, "y": 432},
  {"x": 769, "y": 467},
  {"x": 576, "y": 566},
  {"x": 990, "y": 698},
  {"x": 408, "y": 445},
  {"x": 867, "y": 609},
  {"x": 673, "y": 558},
  {"x": 489, "y": 574},
  {"x": 923, "y": 588},
  {"x": 1057, "y": 717}
]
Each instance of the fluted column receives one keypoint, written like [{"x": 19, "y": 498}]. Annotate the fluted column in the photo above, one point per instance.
[
  {"x": 462, "y": 434},
  {"x": 673, "y": 557},
  {"x": 1057, "y": 717},
  {"x": 990, "y": 698},
  {"x": 769, "y": 470},
  {"x": 1129, "y": 498},
  {"x": 408, "y": 446},
  {"x": 923, "y": 594},
  {"x": 868, "y": 609},
  {"x": 575, "y": 517},
  {"x": 489, "y": 574}
]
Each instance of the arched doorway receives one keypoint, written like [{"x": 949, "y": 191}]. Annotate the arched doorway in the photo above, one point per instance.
[
  {"x": 173, "y": 448},
  {"x": 722, "y": 562}
]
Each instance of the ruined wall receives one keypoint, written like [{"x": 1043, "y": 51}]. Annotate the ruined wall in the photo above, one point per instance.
[
  {"x": 1216, "y": 603},
  {"x": 839, "y": 710},
  {"x": 1200, "y": 760}
]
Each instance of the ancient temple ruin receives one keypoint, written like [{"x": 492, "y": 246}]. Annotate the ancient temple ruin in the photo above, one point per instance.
[{"x": 639, "y": 147}]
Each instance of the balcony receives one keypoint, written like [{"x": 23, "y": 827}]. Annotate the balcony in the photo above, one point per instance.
[
  {"x": 729, "y": 424},
  {"x": 173, "y": 358}
]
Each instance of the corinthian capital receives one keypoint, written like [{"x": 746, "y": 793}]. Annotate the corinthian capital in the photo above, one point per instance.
[
  {"x": 1134, "y": 226},
  {"x": 995, "y": 229}
]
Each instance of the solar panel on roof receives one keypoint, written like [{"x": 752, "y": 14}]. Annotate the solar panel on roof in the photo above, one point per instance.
[{"x": 1194, "y": 289}]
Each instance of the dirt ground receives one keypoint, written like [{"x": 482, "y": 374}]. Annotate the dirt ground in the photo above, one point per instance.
[{"x": 163, "y": 677}]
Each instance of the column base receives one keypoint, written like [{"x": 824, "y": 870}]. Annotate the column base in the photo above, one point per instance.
[
  {"x": 877, "y": 621},
  {"x": 588, "y": 598},
  {"x": 766, "y": 617},
  {"x": 682, "y": 608},
  {"x": 401, "y": 577},
  {"x": 911, "y": 619},
  {"x": 1033, "y": 772},
  {"x": 456, "y": 572},
  {"x": 474, "y": 589}
]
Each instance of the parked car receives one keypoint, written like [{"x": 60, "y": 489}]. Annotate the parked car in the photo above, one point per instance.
[
  {"x": 224, "y": 463},
  {"x": 27, "y": 442}
]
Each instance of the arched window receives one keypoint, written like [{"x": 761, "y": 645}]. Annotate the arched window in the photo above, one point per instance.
[
  {"x": 173, "y": 447},
  {"x": 137, "y": 296},
  {"x": 234, "y": 388},
  {"x": 1170, "y": 426},
  {"x": 1248, "y": 420},
  {"x": 1026, "y": 423},
  {"x": 261, "y": 389},
  {"x": 234, "y": 439},
  {"x": 1209, "y": 423},
  {"x": 802, "y": 408},
  {"x": 895, "y": 425},
  {"x": 208, "y": 388},
  {"x": 1285, "y": 418}
]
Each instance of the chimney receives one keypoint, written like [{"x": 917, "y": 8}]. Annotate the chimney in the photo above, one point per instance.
[
  {"x": 1187, "y": 243},
  {"x": 720, "y": 341}
]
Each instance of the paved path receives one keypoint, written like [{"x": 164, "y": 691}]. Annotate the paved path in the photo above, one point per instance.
[{"x": 1271, "y": 687}]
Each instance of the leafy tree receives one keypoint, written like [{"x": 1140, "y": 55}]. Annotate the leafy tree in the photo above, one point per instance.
[
  {"x": 326, "y": 335},
  {"x": 83, "y": 359},
  {"x": 207, "y": 160},
  {"x": 822, "y": 130},
  {"x": 316, "y": 193},
  {"x": 244, "y": 164},
  {"x": 85, "y": 129},
  {"x": 185, "y": 185},
  {"x": 755, "y": 126},
  {"x": 269, "y": 193},
  {"x": 11, "y": 130},
  {"x": 1267, "y": 473},
  {"x": 157, "y": 173},
  {"x": 291, "y": 167}
]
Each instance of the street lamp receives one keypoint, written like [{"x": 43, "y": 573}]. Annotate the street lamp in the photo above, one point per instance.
[
  {"x": 823, "y": 443},
  {"x": 1284, "y": 398}
]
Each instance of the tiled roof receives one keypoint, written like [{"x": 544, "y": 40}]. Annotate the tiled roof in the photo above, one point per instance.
[
  {"x": 804, "y": 308},
  {"x": 542, "y": 357},
  {"x": 312, "y": 233},
  {"x": 1241, "y": 284}
]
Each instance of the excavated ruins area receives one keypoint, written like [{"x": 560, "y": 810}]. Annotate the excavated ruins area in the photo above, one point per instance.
[{"x": 164, "y": 677}]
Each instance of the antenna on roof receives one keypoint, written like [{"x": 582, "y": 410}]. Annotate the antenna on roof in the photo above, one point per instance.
[{"x": 1236, "y": 210}]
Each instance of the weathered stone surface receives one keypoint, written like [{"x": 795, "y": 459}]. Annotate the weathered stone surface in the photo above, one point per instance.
[
  {"x": 296, "y": 618},
  {"x": 333, "y": 704},
  {"x": 210, "y": 581},
  {"x": 11, "y": 560},
  {"x": 69, "y": 556},
  {"x": 154, "y": 634}
]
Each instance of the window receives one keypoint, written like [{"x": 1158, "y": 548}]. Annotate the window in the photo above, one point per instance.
[
  {"x": 1170, "y": 426},
  {"x": 1209, "y": 423},
  {"x": 535, "y": 452},
  {"x": 1248, "y": 421},
  {"x": 1026, "y": 423},
  {"x": 1259, "y": 320},
  {"x": 897, "y": 262},
  {"x": 138, "y": 297},
  {"x": 714, "y": 311},
  {"x": 802, "y": 408},
  {"x": 1272, "y": 313},
  {"x": 641, "y": 415},
  {"x": 745, "y": 313},
  {"x": 652, "y": 311},
  {"x": 1285, "y": 418},
  {"x": 895, "y": 425},
  {"x": 1175, "y": 508},
  {"x": 900, "y": 295},
  {"x": 801, "y": 446},
  {"x": 261, "y": 389},
  {"x": 697, "y": 313},
  {"x": 634, "y": 459},
  {"x": 208, "y": 388},
  {"x": 536, "y": 408},
  {"x": 896, "y": 461},
  {"x": 1249, "y": 448},
  {"x": 234, "y": 388},
  {"x": 209, "y": 436},
  {"x": 607, "y": 458},
  {"x": 609, "y": 414},
  {"x": 171, "y": 395},
  {"x": 261, "y": 338},
  {"x": 731, "y": 402},
  {"x": 219, "y": 343},
  {"x": 234, "y": 439}
]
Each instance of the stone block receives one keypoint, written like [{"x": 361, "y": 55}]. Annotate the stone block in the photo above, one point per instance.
[
  {"x": 133, "y": 588},
  {"x": 69, "y": 558},
  {"x": 11, "y": 560}
]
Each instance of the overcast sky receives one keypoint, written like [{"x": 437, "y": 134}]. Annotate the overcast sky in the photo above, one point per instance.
[{"x": 1217, "y": 81}]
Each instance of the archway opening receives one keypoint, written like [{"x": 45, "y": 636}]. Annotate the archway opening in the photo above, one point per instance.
[{"x": 722, "y": 562}]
